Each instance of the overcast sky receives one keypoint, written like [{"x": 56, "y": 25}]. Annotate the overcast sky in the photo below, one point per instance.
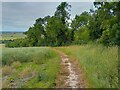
[{"x": 19, "y": 16}]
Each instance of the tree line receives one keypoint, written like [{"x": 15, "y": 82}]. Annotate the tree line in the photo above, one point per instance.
[{"x": 99, "y": 25}]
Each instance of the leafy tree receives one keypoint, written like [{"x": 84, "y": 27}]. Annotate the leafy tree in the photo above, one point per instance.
[
  {"x": 78, "y": 22},
  {"x": 107, "y": 15},
  {"x": 101, "y": 25},
  {"x": 62, "y": 12},
  {"x": 82, "y": 35},
  {"x": 56, "y": 32},
  {"x": 37, "y": 33}
]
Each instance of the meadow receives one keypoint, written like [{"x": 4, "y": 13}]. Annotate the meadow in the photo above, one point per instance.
[
  {"x": 29, "y": 67},
  {"x": 91, "y": 38},
  {"x": 99, "y": 63},
  {"x": 12, "y": 35},
  {"x": 32, "y": 67}
]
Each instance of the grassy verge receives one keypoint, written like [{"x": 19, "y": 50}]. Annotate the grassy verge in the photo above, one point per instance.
[
  {"x": 99, "y": 63},
  {"x": 29, "y": 67}
]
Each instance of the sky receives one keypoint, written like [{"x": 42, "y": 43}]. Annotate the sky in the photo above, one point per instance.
[
  {"x": 0, "y": 16},
  {"x": 19, "y": 16}
]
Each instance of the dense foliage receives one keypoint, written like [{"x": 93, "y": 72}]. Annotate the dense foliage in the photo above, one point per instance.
[{"x": 101, "y": 25}]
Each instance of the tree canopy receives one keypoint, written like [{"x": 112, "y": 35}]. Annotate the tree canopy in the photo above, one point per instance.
[{"x": 101, "y": 25}]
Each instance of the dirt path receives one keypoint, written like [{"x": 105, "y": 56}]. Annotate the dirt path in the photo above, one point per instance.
[{"x": 70, "y": 75}]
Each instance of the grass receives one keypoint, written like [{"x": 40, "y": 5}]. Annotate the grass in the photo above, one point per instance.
[
  {"x": 11, "y": 36},
  {"x": 34, "y": 54},
  {"x": 2, "y": 46},
  {"x": 99, "y": 63},
  {"x": 37, "y": 67},
  {"x": 32, "y": 67}
]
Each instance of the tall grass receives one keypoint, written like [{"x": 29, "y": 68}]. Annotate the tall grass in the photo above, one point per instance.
[
  {"x": 29, "y": 54},
  {"x": 99, "y": 63},
  {"x": 40, "y": 63}
]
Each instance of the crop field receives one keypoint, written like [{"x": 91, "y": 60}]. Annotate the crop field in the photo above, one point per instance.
[
  {"x": 99, "y": 63},
  {"x": 12, "y": 35},
  {"x": 29, "y": 67}
]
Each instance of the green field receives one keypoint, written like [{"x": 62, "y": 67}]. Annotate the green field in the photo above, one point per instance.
[
  {"x": 63, "y": 50},
  {"x": 99, "y": 63},
  {"x": 12, "y": 35},
  {"x": 2, "y": 45},
  {"x": 33, "y": 67},
  {"x": 29, "y": 67}
]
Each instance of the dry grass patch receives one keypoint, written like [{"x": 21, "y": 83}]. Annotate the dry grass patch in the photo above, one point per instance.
[
  {"x": 27, "y": 73},
  {"x": 16, "y": 64},
  {"x": 6, "y": 70}
]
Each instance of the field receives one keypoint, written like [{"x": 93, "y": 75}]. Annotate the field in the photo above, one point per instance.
[
  {"x": 99, "y": 64},
  {"x": 29, "y": 67},
  {"x": 2, "y": 46},
  {"x": 33, "y": 67},
  {"x": 74, "y": 47},
  {"x": 39, "y": 66},
  {"x": 11, "y": 35}
]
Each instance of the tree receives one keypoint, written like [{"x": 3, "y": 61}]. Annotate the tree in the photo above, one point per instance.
[
  {"x": 101, "y": 25},
  {"x": 105, "y": 23},
  {"x": 34, "y": 34},
  {"x": 82, "y": 35},
  {"x": 62, "y": 12},
  {"x": 56, "y": 32},
  {"x": 78, "y": 22}
]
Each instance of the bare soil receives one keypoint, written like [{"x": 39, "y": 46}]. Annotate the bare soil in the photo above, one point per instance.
[{"x": 70, "y": 75}]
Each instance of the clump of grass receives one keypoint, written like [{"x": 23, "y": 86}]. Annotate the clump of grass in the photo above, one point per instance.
[
  {"x": 5, "y": 84},
  {"x": 6, "y": 70},
  {"x": 98, "y": 62},
  {"x": 26, "y": 73},
  {"x": 16, "y": 64}
]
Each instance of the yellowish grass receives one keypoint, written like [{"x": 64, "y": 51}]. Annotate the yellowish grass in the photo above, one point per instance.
[{"x": 98, "y": 62}]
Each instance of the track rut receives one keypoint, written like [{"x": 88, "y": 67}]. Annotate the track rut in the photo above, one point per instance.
[{"x": 71, "y": 75}]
